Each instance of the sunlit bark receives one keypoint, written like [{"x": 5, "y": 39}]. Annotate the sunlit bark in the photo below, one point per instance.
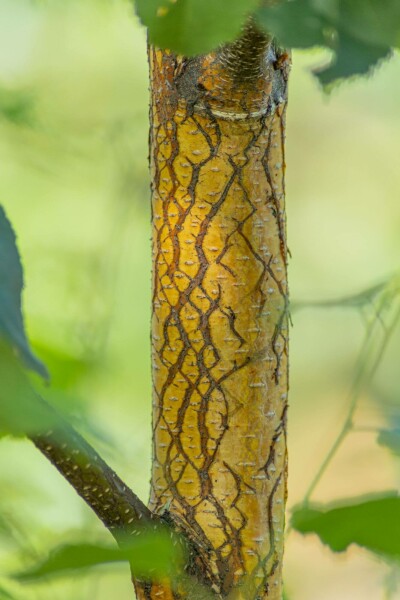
[{"x": 220, "y": 325}]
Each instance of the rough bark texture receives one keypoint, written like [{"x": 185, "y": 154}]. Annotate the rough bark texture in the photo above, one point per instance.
[{"x": 220, "y": 325}]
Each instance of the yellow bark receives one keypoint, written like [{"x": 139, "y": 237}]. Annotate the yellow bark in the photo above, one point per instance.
[{"x": 220, "y": 326}]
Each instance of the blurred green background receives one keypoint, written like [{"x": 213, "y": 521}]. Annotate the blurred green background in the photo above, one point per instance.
[{"x": 74, "y": 182}]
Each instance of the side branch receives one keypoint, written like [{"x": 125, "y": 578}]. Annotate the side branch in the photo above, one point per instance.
[
  {"x": 24, "y": 412},
  {"x": 104, "y": 492}
]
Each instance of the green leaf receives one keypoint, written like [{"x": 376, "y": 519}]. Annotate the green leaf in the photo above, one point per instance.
[
  {"x": 22, "y": 412},
  {"x": 5, "y": 528},
  {"x": 5, "y": 595},
  {"x": 151, "y": 554},
  {"x": 16, "y": 106},
  {"x": 390, "y": 439},
  {"x": 353, "y": 57},
  {"x": 11, "y": 284},
  {"x": 193, "y": 26},
  {"x": 295, "y": 24},
  {"x": 360, "y": 32},
  {"x": 372, "y": 21},
  {"x": 72, "y": 558},
  {"x": 372, "y": 523},
  {"x": 67, "y": 370}
]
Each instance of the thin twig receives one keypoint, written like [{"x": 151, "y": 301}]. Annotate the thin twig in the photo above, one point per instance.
[{"x": 363, "y": 375}]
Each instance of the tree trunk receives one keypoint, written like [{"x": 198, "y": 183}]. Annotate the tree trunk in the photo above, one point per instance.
[{"x": 220, "y": 319}]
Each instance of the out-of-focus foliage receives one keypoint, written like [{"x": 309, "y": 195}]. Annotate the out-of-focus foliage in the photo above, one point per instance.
[
  {"x": 372, "y": 523},
  {"x": 5, "y": 595},
  {"x": 359, "y": 32},
  {"x": 72, "y": 557},
  {"x": 390, "y": 439},
  {"x": 150, "y": 554},
  {"x": 11, "y": 283},
  {"x": 193, "y": 26},
  {"x": 21, "y": 411},
  {"x": 75, "y": 187},
  {"x": 16, "y": 106}
]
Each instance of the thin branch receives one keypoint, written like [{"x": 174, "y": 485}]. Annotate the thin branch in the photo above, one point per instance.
[
  {"x": 364, "y": 374},
  {"x": 24, "y": 412},
  {"x": 357, "y": 300},
  {"x": 100, "y": 487}
]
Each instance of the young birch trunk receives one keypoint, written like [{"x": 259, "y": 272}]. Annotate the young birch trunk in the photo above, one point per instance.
[{"x": 220, "y": 325}]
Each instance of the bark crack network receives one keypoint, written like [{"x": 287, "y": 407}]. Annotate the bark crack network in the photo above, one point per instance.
[{"x": 220, "y": 318}]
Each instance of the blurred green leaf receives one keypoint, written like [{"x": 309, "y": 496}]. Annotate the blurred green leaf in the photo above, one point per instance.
[
  {"x": 155, "y": 553},
  {"x": 16, "y": 106},
  {"x": 371, "y": 21},
  {"x": 7, "y": 528},
  {"x": 296, "y": 24},
  {"x": 353, "y": 57},
  {"x": 193, "y": 26},
  {"x": 11, "y": 530},
  {"x": 360, "y": 32},
  {"x": 66, "y": 369},
  {"x": 150, "y": 554},
  {"x": 372, "y": 523},
  {"x": 21, "y": 410},
  {"x": 75, "y": 557},
  {"x": 5, "y": 595},
  {"x": 390, "y": 439},
  {"x": 11, "y": 283},
  {"x": 4, "y": 528}
]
